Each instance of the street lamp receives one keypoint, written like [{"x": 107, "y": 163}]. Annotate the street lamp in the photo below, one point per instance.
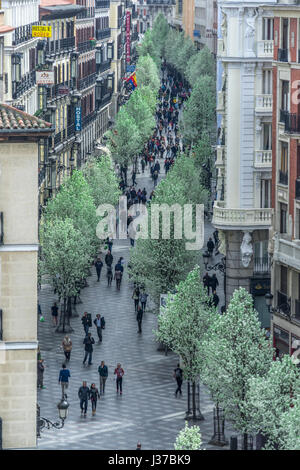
[
  {"x": 206, "y": 257},
  {"x": 45, "y": 423},
  {"x": 269, "y": 299}
]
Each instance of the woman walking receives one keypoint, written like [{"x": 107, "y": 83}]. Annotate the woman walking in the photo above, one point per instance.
[
  {"x": 136, "y": 297},
  {"x": 94, "y": 395},
  {"x": 67, "y": 347}
]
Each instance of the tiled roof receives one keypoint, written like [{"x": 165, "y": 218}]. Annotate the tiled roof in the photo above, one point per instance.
[
  {"x": 48, "y": 3},
  {"x": 12, "y": 119}
]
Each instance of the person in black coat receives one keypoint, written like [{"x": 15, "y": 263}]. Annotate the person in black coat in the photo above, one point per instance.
[
  {"x": 214, "y": 282},
  {"x": 109, "y": 259},
  {"x": 88, "y": 347},
  {"x": 139, "y": 318},
  {"x": 215, "y": 299},
  {"x": 98, "y": 266},
  {"x": 84, "y": 395},
  {"x": 206, "y": 282},
  {"x": 210, "y": 246}
]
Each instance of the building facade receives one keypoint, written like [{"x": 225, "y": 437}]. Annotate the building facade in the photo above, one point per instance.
[
  {"x": 242, "y": 211},
  {"x": 20, "y": 135},
  {"x": 285, "y": 238},
  {"x": 200, "y": 22},
  {"x": 149, "y": 9}
]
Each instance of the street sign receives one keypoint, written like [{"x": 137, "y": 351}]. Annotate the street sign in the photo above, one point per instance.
[
  {"x": 130, "y": 68},
  {"x": 78, "y": 118},
  {"x": 41, "y": 31},
  {"x": 44, "y": 77}
]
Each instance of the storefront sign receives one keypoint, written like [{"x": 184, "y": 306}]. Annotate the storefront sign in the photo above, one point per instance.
[
  {"x": 45, "y": 77},
  {"x": 128, "y": 37},
  {"x": 63, "y": 90},
  {"x": 260, "y": 286},
  {"x": 78, "y": 118},
  {"x": 41, "y": 31}
]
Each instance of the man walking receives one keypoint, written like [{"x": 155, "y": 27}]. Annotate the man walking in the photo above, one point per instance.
[
  {"x": 85, "y": 322},
  {"x": 119, "y": 372},
  {"x": 139, "y": 318},
  {"x": 109, "y": 259},
  {"x": 210, "y": 246},
  {"x": 214, "y": 282},
  {"x": 143, "y": 299},
  {"x": 103, "y": 374},
  {"x": 178, "y": 373},
  {"x": 63, "y": 379},
  {"x": 84, "y": 395},
  {"x": 88, "y": 347},
  {"x": 98, "y": 266},
  {"x": 98, "y": 325},
  {"x": 206, "y": 282}
]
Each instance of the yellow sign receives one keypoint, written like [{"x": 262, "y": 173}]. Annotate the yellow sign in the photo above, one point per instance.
[{"x": 41, "y": 31}]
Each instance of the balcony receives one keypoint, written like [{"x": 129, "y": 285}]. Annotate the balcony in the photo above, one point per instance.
[
  {"x": 104, "y": 66},
  {"x": 89, "y": 12},
  {"x": 291, "y": 122},
  {"x": 60, "y": 46},
  {"x": 86, "y": 82},
  {"x": 283, "y": 177},
  {"x": 287, "y": 252},
  {"x": 134, "y": 36},
  {"x": 265, "y": 49},
  {"x": 85, "y": 46},
  {"x": 255, "y": 218},
  {"x": 23, "y": 33},
  {"x": 262, "y": 265},
  {"x": 27, "y": 81},
  {"x": 297, "y": 310},
  {"x": 89, "y": 118},
  {"x": 263, "y": 159},
  {"x": 103, "y": 33},
  {"x": 102, "y": 4},
  {"x": 297, "y": 189},
  {"x": 283, "y": 55},
  {"x": 264, "y": 103}
]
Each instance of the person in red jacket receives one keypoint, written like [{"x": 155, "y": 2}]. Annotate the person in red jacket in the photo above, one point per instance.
[{"x": 119, "y": 372}]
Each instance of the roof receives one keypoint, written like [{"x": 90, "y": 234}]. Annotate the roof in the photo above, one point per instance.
[
  {"x": 6, "y": 29},
  {"x": 48, "y": 3},
  {"x": 12, "y": 120},
  {"x": 52, "y": 9}
]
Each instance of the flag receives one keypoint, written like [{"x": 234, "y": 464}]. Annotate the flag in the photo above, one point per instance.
[{"x": 132, "y": 80}]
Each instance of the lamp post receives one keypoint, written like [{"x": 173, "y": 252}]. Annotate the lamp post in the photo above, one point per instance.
[{"x": 45, "y": 423}]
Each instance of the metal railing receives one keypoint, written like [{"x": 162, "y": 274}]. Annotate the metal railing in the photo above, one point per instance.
[
  {"x": 104, "y": 66},
  {"x": 27, "y": 81},
  {"x": 262, "y": 265},
  {"x": 297, "y": 309},
  {"x": 103, "y": 33},
  {"x": 60, "y": 45},
  {"x": 85, "y": 82},
  {"x": 102, "y": 4},
  {"x": 23, "y": 33},
  {"x": 283, "y": 177},
  {"x": 85, "y": 46},
  {"x": 89, "y": 12}
]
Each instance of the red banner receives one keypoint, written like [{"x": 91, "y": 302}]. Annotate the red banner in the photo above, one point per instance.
[{"x": 128, "y": 37}]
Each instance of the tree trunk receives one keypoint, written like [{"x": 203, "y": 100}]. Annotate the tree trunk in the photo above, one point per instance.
[
  {"x": 64, "y": 321},
  {"x": 64, "y": 314},
  {"x": 194, "y": 400},
  {"x": 245, "y": 441}
]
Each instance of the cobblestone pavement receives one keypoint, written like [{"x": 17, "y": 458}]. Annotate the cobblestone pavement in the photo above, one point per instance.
[{"x": 148, "y": 410}]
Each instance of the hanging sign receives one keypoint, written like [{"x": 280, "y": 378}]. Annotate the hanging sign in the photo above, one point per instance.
[
  {"x": 78, "y": 118},
  {"x": 44, "y": 77},
  {"x": 128, "y": 37},
  {"x": 41, "y": 31}
]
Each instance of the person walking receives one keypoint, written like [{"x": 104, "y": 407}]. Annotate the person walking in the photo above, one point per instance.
[
  {"x": 94, "y": 395},
  {"x": 85, "y": 320},
  {"x": 143, "y": 299},
  {"x": 118, "y": 273},
  {"x": 155, "y": 178},
  {"x": 88, "y": 347},
  {"x": 119, "y": 372},
  {"x": 103, "y": 374},
  {"x": 109, "y": 244},
  {"x": 210, "y": 246},
  {"x": 40, "y": 373},
  {"x": 54, "y": 313},
  {"x": 67, "y": 347},
  {"x": 178, "y": 376},
  {"x": 139, "y": 318},
  {"x": 109, "y": 275},
  {"x": 206, "y": 282},
  {"x": 63, "y": 379},
  {"x": 214, "y": 282},
  {"x": 109, "y": 259},
  {"x": 136, "y": 297},
  {"x": 98, "y": 322},
  {"x": 215, "y": 299},
  {"x": 98, "y": 266},
  {"x": 84, "y": 395}
]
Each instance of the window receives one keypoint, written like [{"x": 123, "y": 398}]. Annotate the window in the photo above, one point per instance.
[
  {"x": 267, "y": 136},
  {"x": 265, "y": 193},
  {"x": 297, "y": 225},
  {"x": 268, "y": 29},
  {"x": 284, "y": 95},
  {"x": 267, "y": 82},
  {"x": 285, "y": 33},
  {"x": 284, "y": 157},
  {"x": 283, "y": 217},
  {"x": 283, "y": 279}
]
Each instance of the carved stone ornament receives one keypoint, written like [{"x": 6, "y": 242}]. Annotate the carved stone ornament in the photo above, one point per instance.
[{"x": 246, "y": 249}]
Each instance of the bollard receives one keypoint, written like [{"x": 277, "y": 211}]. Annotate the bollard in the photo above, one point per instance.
[{"x": 233, "y": 443}]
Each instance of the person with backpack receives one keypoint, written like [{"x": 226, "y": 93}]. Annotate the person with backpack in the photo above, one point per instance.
[
  {"x": 88, "y": 347},
  {"x": 99, "y": 323},
  {"x": 94, "y": 395},
  {"x": 178, "y": 375},
  {"x": 119, "y": 372},
  {"x": 103, "y": 374}
]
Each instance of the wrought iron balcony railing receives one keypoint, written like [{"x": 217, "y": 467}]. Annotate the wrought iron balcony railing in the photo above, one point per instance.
[
  {"x": 86, "y": 82},
  {"x": 103, "y": 33},
  {"x": 59, "y": 46},
  {"x": 102, "y": 4},
  {"x": 26, "y": 82},
  {"x": 23, "y": 33}
]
